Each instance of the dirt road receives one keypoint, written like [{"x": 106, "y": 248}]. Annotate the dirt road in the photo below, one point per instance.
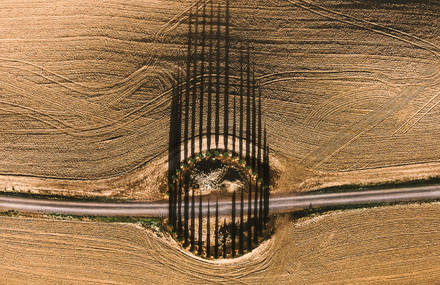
[{"x": 277, "y": 204}]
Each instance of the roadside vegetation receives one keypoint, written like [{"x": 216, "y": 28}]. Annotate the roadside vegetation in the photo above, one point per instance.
[
  {"x": 378, "y": 186},
  {"x": 154, "y": 224},
  {"x": 313, "y": 212}
]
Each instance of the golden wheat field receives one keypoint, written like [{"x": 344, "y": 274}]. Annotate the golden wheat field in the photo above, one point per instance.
[
  {"x": 349, "y": 91},
  {"x": 387, "y": 245}
]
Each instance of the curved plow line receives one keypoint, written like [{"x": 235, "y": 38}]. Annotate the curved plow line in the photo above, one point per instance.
[
  {"x": 435, "y": 53},
  {"x": 160, "y": 34},
  {"x": 353, "y": 132},
  {"x": 129, "y": 89},
  {"x": 354, "y": 20},
  {"x": 32, "y": 98},
  {"x": 318, "y": 115},
  {"x": 78, "y": 111},
  {"x": 377, "y": 25},
  {"x": 346, "y": 104},
  {"x": 176, "y": 20}
]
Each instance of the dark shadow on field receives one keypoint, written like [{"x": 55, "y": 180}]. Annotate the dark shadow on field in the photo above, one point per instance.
[{"x": 197, "y": 117}]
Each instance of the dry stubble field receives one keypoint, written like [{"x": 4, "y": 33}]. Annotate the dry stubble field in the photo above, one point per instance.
[
  {"x": 84, "y": 91},
  {"x": 84, "y": 106},
  {"x": 392, "y": 245}
]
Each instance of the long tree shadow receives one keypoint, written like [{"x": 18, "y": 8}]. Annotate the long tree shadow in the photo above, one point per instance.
[{"x": 197, "y": 117}]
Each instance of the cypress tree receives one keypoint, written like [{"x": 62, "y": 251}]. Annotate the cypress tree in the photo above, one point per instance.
[
  {"x": 216, "y": 231},
  {"x": 249, "y": 217},
  {"x": 179, "y": 210},
  {"x": 266, "y": 177},
  {"x": 193, "y": 225},
  {"x": 200, "y": 238},
  {"x": 186, "y": 213},
  {"x": 233, "y": 230},
  {"x": 267, "y": 184},
  {"x": 208, "y": 232},
  {"x": 256, "y": 214},
  {"x": 170, "y": 202},
  {"x": 240, "y": 234},
  {"x": 225, "y": 233},
  {"x": 259, "y": 164},
  {"x": 260, "y": 214},
  {"x": 175, "y": 206}
]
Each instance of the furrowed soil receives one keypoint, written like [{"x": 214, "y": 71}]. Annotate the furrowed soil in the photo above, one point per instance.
[
  {"x": 350, "y": 91},
  {"x": 386, "y": 245}
]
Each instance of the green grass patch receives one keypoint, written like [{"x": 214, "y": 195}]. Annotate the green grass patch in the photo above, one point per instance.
[
  {"x": 10, "y": 213},
  {"x": 156, "y": 223}
]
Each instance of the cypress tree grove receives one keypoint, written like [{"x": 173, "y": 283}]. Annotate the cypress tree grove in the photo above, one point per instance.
[{"x": 193, "y": 105}]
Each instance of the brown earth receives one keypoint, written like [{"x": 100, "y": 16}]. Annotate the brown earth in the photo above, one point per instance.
[
  {"x": 386, "y": 245},
  {"x": 350, "y": 96},
  {"x": 350, "y": 91}
]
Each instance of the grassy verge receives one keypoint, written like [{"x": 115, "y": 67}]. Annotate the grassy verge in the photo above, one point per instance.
[
  {"x": 387, "y": 185},
  {"x": 155, "y": 224},
  {"x": 60, "y": 197},
  {"x": 309, "y": 213}
]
